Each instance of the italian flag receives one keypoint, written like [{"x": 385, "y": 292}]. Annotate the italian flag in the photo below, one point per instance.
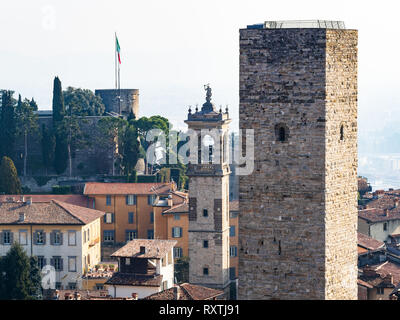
[{"x": 117, "y": 47}]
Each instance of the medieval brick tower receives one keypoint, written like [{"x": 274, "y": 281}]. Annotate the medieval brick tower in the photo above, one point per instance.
[
  {"x": 298, "y": 209},
  {"x": 208, "y": 173}
]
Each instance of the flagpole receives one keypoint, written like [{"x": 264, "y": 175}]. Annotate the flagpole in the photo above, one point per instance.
[{"x": 115, "y": 60}]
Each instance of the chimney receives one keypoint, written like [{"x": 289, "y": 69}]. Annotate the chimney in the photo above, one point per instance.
[
  {"x": 22, "y": 198},
  {"x": 21, "y": 217},
  {"x": 176, "y": 292},
  {"x": 386, "y": 212},
  {"x": 142, "y": 249},
  {"x": 29, "y": 201},
  {"x": 369, "y": 271},
  {"x": 170, "y": 202},
  {"x": 396, "y": 202}
]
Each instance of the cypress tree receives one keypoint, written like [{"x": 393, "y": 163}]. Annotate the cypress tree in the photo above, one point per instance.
[
  {"x": 61, "y": 148},
  {"x": 35, "y": 281},
  {"x": 9, "y": 181},
  {"x": 7, "y": 125}
]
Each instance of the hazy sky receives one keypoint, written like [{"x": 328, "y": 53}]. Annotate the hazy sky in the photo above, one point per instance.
[{"x": 170, "y": 49}]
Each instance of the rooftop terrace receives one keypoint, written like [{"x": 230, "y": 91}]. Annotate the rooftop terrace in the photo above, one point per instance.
[{"x": 290, "y": 24}]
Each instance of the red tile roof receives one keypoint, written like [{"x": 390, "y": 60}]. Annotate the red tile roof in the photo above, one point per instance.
[
  {"x": 86, "y": 215},
  {"x": 131, "y": 279},
  {"x": 44, "y": 213},
  {"x": 369, "y": 243},
  {"x": 179, "y": 208},
  {"x": 77, "y": 199},
  {"x": 380, "y": 275},
  {"x": 378, "y": 215},
  {"x": 186, "y": 291},
  {"x": 103, "y": 188},
  {"x": 155, "y": 249}
]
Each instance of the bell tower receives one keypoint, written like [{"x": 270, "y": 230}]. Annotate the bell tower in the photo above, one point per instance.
[{"x": 208, "y": 172}]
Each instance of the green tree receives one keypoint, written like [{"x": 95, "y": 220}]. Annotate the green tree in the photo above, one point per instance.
[
  {"x": 130, "y": 149},
  {"x": 27, "y": 123},
  {"x": 144, "y": 125},
  {"x": 85, "y": 101},
  {"x": 9, "y": 181},
  {"x": 61, "y": 147},
  {"x": 7, "y": 124},
  {"x": 20, "y": 279},
  {"x": 33, "y": 104},
  {"x": 182, "y": 270},
  {"x": 35, "y": 290},
  {"x": 48, "y": 145},
  {"x": 70, "y": 128},
  {"x": 111, "y": 130}
]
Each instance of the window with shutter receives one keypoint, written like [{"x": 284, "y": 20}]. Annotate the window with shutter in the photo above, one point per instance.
[
  {"x": 130, "y": 217},
  {"x": 2, "y": 238},
  {"x": 72, "y": 238},
  {"x": 23, "y": 237},
  {"x": 7, "y": 237},
  {"x": 131, "y": 199}
]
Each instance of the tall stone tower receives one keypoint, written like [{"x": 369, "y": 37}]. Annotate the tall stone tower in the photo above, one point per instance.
[
  {"x": 209, "y": 197},
  {"x": 298, "y": 209},
  {"x": 121, "y": 101}
]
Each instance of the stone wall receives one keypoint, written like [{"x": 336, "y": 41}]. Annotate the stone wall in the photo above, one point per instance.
[
  {"x": 298, "y": 210},
  {"x": 129, "y": 100},
  {"x": 90, "y": 159}
]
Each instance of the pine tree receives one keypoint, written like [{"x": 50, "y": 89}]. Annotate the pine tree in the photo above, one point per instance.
[
  {"x": 27, "y": 122},
  {"x": 9, "y": 181},
  {"x": 61, "y": 148},
  {"x": 16, "y": 278}
]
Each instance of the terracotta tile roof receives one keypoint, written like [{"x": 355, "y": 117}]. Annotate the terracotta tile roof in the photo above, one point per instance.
[
  {"x": 77, "y": 199},
  {"x": 368, "y": 242},
  {"x": 364, "y": 284},
  {"x": 186, "y": 291},
  {"x": 179, "y": 208},
  {"x": 378, "y": 215},
  {"x": 131, "y": 279},
  {"x": 103, "y": 188},
  {"x": 42, "y": 213},
  {"x": 155, "y": 249},
  {"x": 380, "y": 275},
  {"x": 234, "y": 205},
  {"x": 86, "y": 215},
  {"x": 386, "y": 202}
]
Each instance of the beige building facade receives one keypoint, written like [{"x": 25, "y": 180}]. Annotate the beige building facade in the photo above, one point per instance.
[{"x": 61, "y": 235}]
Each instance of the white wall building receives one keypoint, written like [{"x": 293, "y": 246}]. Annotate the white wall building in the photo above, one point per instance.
[
  {"x": 61, "y": 235},
  {"x": 145, "y": 267}
]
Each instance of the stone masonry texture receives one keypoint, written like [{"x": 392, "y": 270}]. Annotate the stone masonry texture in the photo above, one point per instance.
[{"x": 298, "y": 209}]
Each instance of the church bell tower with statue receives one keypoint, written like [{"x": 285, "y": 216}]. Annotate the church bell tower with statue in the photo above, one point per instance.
[{"x": 208, "y": 172}]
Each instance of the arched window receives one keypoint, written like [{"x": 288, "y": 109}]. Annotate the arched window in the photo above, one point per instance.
[
  {"x": 281, "y": 132},
  {"x": 208, "y": 142}
]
